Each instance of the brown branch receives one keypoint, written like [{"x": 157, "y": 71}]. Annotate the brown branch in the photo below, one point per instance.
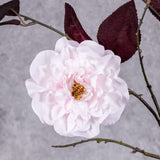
[
  {"x": 98, "y": 140},
  {"x": 45, "y": 25},
  {"x": 34, "y": 21},
  {"x": 21, "y": 20},
  {"x": 139, "y": 96},
  {"x": 141, "y": 61},
  {"x": 152, "y": 9}
]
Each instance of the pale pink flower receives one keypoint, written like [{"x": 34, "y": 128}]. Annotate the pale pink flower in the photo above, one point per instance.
[{"x": 76, "y": 87}]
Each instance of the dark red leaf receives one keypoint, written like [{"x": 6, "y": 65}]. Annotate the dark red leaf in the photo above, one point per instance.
[
  {"x": 118, "y": 31},
  {"x": 72, "y": 25},
  {"x": 156, "y": 5},
  {"x": 13, "y": 21},
  {"x": 5, "y": 8}
]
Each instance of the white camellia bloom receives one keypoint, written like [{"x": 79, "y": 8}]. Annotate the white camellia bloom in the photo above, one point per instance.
[{"x": 76, "y": 87}]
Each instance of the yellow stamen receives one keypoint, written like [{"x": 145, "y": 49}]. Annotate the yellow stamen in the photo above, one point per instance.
[{"x": 77, "y": 90}]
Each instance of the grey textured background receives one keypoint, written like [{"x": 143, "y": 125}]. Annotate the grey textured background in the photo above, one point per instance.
[{"x": 23, "y": 136}]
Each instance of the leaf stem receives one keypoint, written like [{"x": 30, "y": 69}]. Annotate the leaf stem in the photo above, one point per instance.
[
  {"x": 99, "y": 140},
  {"x": 141, "y": 61},
  {"x": 45, "y": 25},
  {"x": 146, "y": 104}
]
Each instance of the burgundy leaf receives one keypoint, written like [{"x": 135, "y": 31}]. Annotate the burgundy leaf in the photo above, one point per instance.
[
  {"x": 118, "y": 31},
  {"x": 13, "y": 21},
  {"x": 72, "y": 25},
  {"x": 5, "y": 8},
  {"x": 156, "y": 5}
]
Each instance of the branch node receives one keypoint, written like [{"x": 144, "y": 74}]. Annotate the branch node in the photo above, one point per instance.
[
  {"x": 21, "y": 20},
  {"x": 134, "y": 151},
  {"x": 148, "y": 1},
  {"x": 99, "y": 140}
]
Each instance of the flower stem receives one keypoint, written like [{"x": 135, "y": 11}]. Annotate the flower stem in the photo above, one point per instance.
[
  {"x": 45, "y": 25},
  {"x": 98, "y": 140},
  {"x": 146, "y": 104},
  {"x": 141, "y": 61}
]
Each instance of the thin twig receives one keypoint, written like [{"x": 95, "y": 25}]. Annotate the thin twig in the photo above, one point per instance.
[
  {"x": 34, "y": 21},
  {"x": 42, "y": 24},
  {"x": 141, "y": 61},
  {"x": 21, "y": 20},
  {"x": 98, "y": 140},
  {"x": 45, "y": 25},
  {"x": 139, "y": 96},
  {"x": 152, "y": 9}
]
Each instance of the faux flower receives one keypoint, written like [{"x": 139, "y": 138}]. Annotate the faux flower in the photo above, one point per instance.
[{"x": 76, "y": 87}]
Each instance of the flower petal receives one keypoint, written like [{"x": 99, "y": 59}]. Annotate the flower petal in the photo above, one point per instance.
[
  {"x": 60, "y": 126},
  {"x": 113, "y": 117},
  {"x": 33, "y": 88},
  {"x": 63, "y": 43},
  {"x": 95, "y": 47},
  {"x": 41, "y": 60},
  {"x": 42, "y": 110},
  {"x": 92, "y": 132}
]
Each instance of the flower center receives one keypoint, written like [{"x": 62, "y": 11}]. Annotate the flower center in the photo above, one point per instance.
[{"x": 77, "y": 90}]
